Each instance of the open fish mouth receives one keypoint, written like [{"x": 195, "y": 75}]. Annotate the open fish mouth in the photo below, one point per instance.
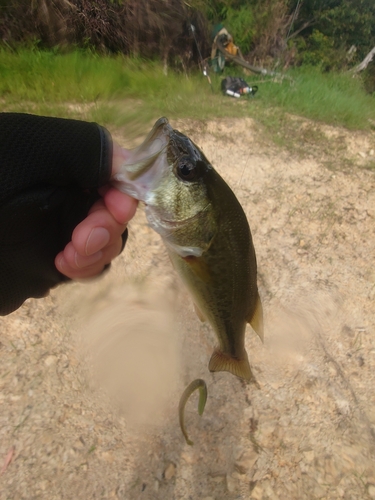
[{"x": 140, "y": 171}]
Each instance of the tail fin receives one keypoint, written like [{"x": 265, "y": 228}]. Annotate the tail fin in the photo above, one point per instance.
[{"x": 221, "y": 362}]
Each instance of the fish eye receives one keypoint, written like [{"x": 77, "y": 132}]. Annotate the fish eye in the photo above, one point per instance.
[{"x": 186, "y": 170}]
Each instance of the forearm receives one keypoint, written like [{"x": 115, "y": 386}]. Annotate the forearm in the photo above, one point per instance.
[
  {"x": 38, "y": 151},
  {"x": 50, "y": 169}
]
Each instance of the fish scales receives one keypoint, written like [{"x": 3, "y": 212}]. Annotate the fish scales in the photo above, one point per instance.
[{"x": 227, "y": 295}]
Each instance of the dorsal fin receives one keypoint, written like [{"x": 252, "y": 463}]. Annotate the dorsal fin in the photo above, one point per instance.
[{"x": 256, "y": 320}]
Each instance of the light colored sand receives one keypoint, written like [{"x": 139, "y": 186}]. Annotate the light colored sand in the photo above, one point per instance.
[{"x": 307, "y": 433}]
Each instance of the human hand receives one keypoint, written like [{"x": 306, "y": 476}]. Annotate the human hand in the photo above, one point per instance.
[{"x": 97, "y": 239}]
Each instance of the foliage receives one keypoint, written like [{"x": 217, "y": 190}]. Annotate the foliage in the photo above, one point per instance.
[
  {"x": 147, "y": 28},
  {"x": 335, "y": 26},
  {"x": 272, "y": 33},
  {"x": 272, "y": 21},
  {"x": 241, "y": 25},
  {"x": 317, "y": 50}
]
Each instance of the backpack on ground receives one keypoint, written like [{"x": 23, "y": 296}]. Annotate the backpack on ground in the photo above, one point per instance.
[{"x": 237, "y": 87}]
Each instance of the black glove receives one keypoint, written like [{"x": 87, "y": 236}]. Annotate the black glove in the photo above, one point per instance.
[{"x": 50, "y": 169}]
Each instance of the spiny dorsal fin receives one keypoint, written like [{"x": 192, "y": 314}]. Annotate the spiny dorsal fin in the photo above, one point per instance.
[{"x": 256, "y": 320}]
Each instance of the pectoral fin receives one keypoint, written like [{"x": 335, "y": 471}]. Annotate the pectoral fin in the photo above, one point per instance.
[
  {"x": 221, "y": 362},
  {"x": 256, "y": 320},
  {"x": 199, "y": 267}
]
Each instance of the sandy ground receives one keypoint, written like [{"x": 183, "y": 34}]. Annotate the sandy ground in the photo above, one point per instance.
[{"x": 90, "y": 377}]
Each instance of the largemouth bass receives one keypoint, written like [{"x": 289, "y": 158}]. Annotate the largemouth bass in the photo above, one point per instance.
[{"x": 206, "y": 234}]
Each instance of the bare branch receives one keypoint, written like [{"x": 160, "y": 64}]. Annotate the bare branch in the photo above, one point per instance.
[
  {"x": 366, "y": 61},
  {"x": 307, "y": 24}
]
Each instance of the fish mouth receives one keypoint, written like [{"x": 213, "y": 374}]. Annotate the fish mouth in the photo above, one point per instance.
[
  {"x": 140, "y": 172},
  {"x": 145, "y": 155}
]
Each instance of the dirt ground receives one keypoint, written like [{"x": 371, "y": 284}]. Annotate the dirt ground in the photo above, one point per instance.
[{"x": 90, "y": 377}]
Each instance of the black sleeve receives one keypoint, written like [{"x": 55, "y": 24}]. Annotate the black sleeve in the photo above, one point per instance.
[{"x": 50, "y": 169}]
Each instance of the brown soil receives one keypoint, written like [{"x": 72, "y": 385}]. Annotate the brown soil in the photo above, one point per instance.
[{"x": 90, "y": 377}]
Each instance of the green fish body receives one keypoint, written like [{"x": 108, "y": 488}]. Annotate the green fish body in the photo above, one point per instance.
[{"x": 206, "y": 234}]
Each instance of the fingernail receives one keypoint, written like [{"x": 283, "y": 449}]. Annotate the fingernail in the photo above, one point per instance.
[
  {"x": 98, "y": 239},
  {"x": 82, "y": 261},
  {"x": 60, "y": 263}
]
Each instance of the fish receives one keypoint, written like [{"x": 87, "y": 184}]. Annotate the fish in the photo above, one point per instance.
[
  {"x": 193, "y": 386},
  {"x": 207, "y": 236}
]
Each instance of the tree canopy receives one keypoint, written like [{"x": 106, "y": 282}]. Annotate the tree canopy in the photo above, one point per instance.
[{"x": 333, "y": 34}]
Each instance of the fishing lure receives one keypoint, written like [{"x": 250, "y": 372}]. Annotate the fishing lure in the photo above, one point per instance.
[{"x": 193, "y": 386}]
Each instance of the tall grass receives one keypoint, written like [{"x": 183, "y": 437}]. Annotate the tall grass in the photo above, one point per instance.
[
  {"x": 112, "y": 90},
  {"x": 116, "y": 90},
  {"x": 79, "y": 76},
  {"x": 335, "y": 98}
]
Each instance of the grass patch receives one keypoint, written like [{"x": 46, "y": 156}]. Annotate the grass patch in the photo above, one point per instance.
[
  {"x": 120, "y": 88},
  {"x": 117, "y": 90},
  {"x": 333, "y": 98}
]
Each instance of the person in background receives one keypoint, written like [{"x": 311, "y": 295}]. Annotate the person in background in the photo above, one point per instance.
[{"x": 60, "y": 219}]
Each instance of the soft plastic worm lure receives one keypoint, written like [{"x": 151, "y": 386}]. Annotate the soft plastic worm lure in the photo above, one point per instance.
[{"x": 193, "y": 386}]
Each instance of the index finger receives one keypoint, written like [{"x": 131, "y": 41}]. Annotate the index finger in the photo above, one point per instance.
[{"x": 120, "y": 205}]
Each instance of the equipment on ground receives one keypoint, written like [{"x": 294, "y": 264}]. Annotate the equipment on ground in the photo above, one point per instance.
[{"x": 237, "y": 87}]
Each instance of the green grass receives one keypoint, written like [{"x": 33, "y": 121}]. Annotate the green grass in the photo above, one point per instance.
[
  {"x": 333, "y": 98},
  {"x": 117, "y": 90}
]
